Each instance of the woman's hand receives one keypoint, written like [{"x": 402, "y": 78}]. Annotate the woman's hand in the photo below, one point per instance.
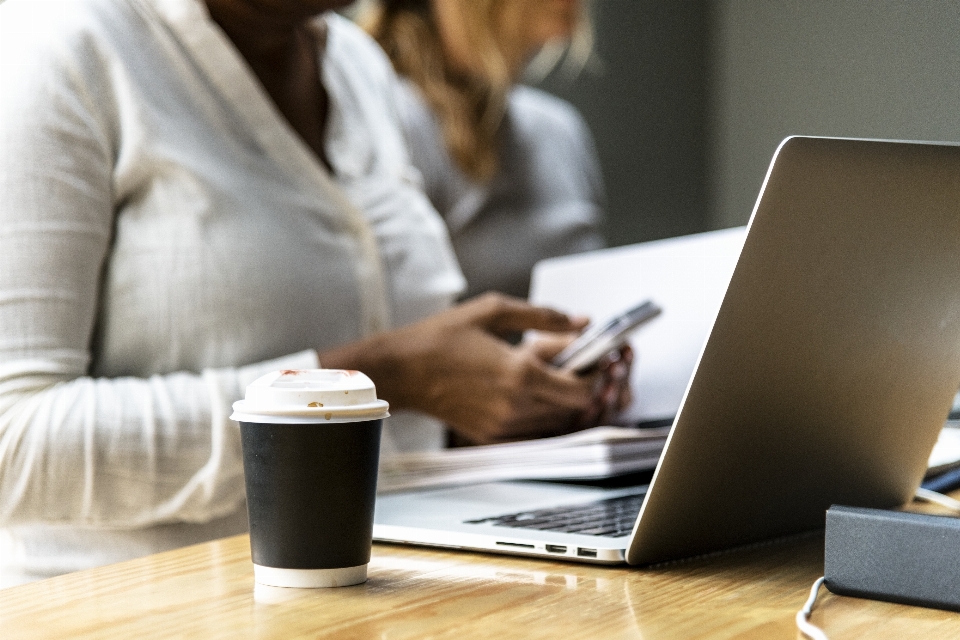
[
  {"x": 613, "y": 391},
  {"x": 610, "y": 379},
  {"x": 457, "y": 367}
]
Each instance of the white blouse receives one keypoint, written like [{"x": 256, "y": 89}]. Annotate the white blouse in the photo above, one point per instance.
[{"x": 165, "y": 238}]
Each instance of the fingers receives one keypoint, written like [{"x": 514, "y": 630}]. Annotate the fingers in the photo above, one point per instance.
[
  {"x": 561, "y": 388},
  {"x": 503, "y": 314},
  {"x": 527, "y": 399},
  {"x": 625, "y": 400},
  {"x": 613, "y": 391},
  {"x": 608, "y": 384}
]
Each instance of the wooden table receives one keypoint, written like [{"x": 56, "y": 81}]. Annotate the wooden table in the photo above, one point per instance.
[{"x": 207, "y": 591}]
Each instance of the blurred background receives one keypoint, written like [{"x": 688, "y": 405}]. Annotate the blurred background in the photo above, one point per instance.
[{"x": 688, "y": 99}]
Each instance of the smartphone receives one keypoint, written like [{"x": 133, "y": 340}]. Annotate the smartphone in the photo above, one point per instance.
[{"x": 597, "y": 341}]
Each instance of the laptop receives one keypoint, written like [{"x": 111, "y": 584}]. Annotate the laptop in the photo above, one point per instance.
[{"x": 824, "y": 379}]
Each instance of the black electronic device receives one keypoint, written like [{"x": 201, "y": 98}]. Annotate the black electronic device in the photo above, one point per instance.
[
  {"x": 895, "y": 556},
  {"x": 596, "y": 342}
]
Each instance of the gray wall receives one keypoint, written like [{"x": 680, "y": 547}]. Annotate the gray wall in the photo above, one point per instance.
[
  {"x": 863, "y": 68},
  {"x": 695, "y": 95},
  {"x": 646, "y": 107}
]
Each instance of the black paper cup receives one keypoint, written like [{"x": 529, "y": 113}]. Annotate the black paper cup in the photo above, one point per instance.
[{"x": 310, "y": 468}]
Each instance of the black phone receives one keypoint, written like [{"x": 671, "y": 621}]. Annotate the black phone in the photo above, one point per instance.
[{"x": 599, "y": 340}]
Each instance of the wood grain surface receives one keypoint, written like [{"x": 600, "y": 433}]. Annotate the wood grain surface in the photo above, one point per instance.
[{"x": 207, "y": 591}]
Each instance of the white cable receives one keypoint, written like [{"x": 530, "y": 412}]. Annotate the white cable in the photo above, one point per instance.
[
  {"x": 938, "y": 499},
  {"x": 803, "y": 616}
]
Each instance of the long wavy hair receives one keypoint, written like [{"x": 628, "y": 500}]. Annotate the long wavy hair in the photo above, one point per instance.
[{"x": 469, "y": 106}]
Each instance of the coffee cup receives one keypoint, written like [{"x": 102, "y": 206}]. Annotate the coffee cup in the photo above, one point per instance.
[{"x": 311, "y": 444}]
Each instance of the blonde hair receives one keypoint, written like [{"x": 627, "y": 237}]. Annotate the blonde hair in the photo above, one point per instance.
[{"x": 469, "y": 106}]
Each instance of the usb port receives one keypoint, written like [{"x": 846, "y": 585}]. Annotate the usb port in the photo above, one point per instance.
[
  {"x": 586, "y": 553},
  {"x": 556, "y": 548}
]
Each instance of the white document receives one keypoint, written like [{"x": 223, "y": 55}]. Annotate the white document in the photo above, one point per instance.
[
  {"x": 686, "y": 276},
  {"x": 600, "y": 452}
]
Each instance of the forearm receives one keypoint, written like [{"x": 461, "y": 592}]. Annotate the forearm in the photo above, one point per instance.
[
  {"x": 380, "y": 358},
  {"x": 122, "y": 452}
]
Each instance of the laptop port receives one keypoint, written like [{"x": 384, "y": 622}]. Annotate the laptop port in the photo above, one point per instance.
[
  {"x": 514, "y": 544},
  {"x": 556, "y": 548},
  {"x": 586, "y": 553}
]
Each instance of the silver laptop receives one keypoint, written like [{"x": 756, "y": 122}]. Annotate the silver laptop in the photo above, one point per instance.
[{"x": 825, "y": 378}]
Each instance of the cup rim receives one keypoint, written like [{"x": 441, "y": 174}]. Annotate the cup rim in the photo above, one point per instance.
[{"x": 245, "y": 411}]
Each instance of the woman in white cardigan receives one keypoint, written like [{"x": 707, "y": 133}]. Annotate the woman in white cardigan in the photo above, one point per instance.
[{"x": 192, "y": 194}]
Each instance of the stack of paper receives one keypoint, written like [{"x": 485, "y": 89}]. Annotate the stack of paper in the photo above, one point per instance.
[
  {"x": 601, "y": 452},
  {"x": 946, "y": 453}
]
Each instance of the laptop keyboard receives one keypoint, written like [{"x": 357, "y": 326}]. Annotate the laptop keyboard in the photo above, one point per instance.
[{"x": 612, "y": 517}]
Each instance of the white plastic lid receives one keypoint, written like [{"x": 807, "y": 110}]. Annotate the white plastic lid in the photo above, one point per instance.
[{"x": 307, "y": 396}]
